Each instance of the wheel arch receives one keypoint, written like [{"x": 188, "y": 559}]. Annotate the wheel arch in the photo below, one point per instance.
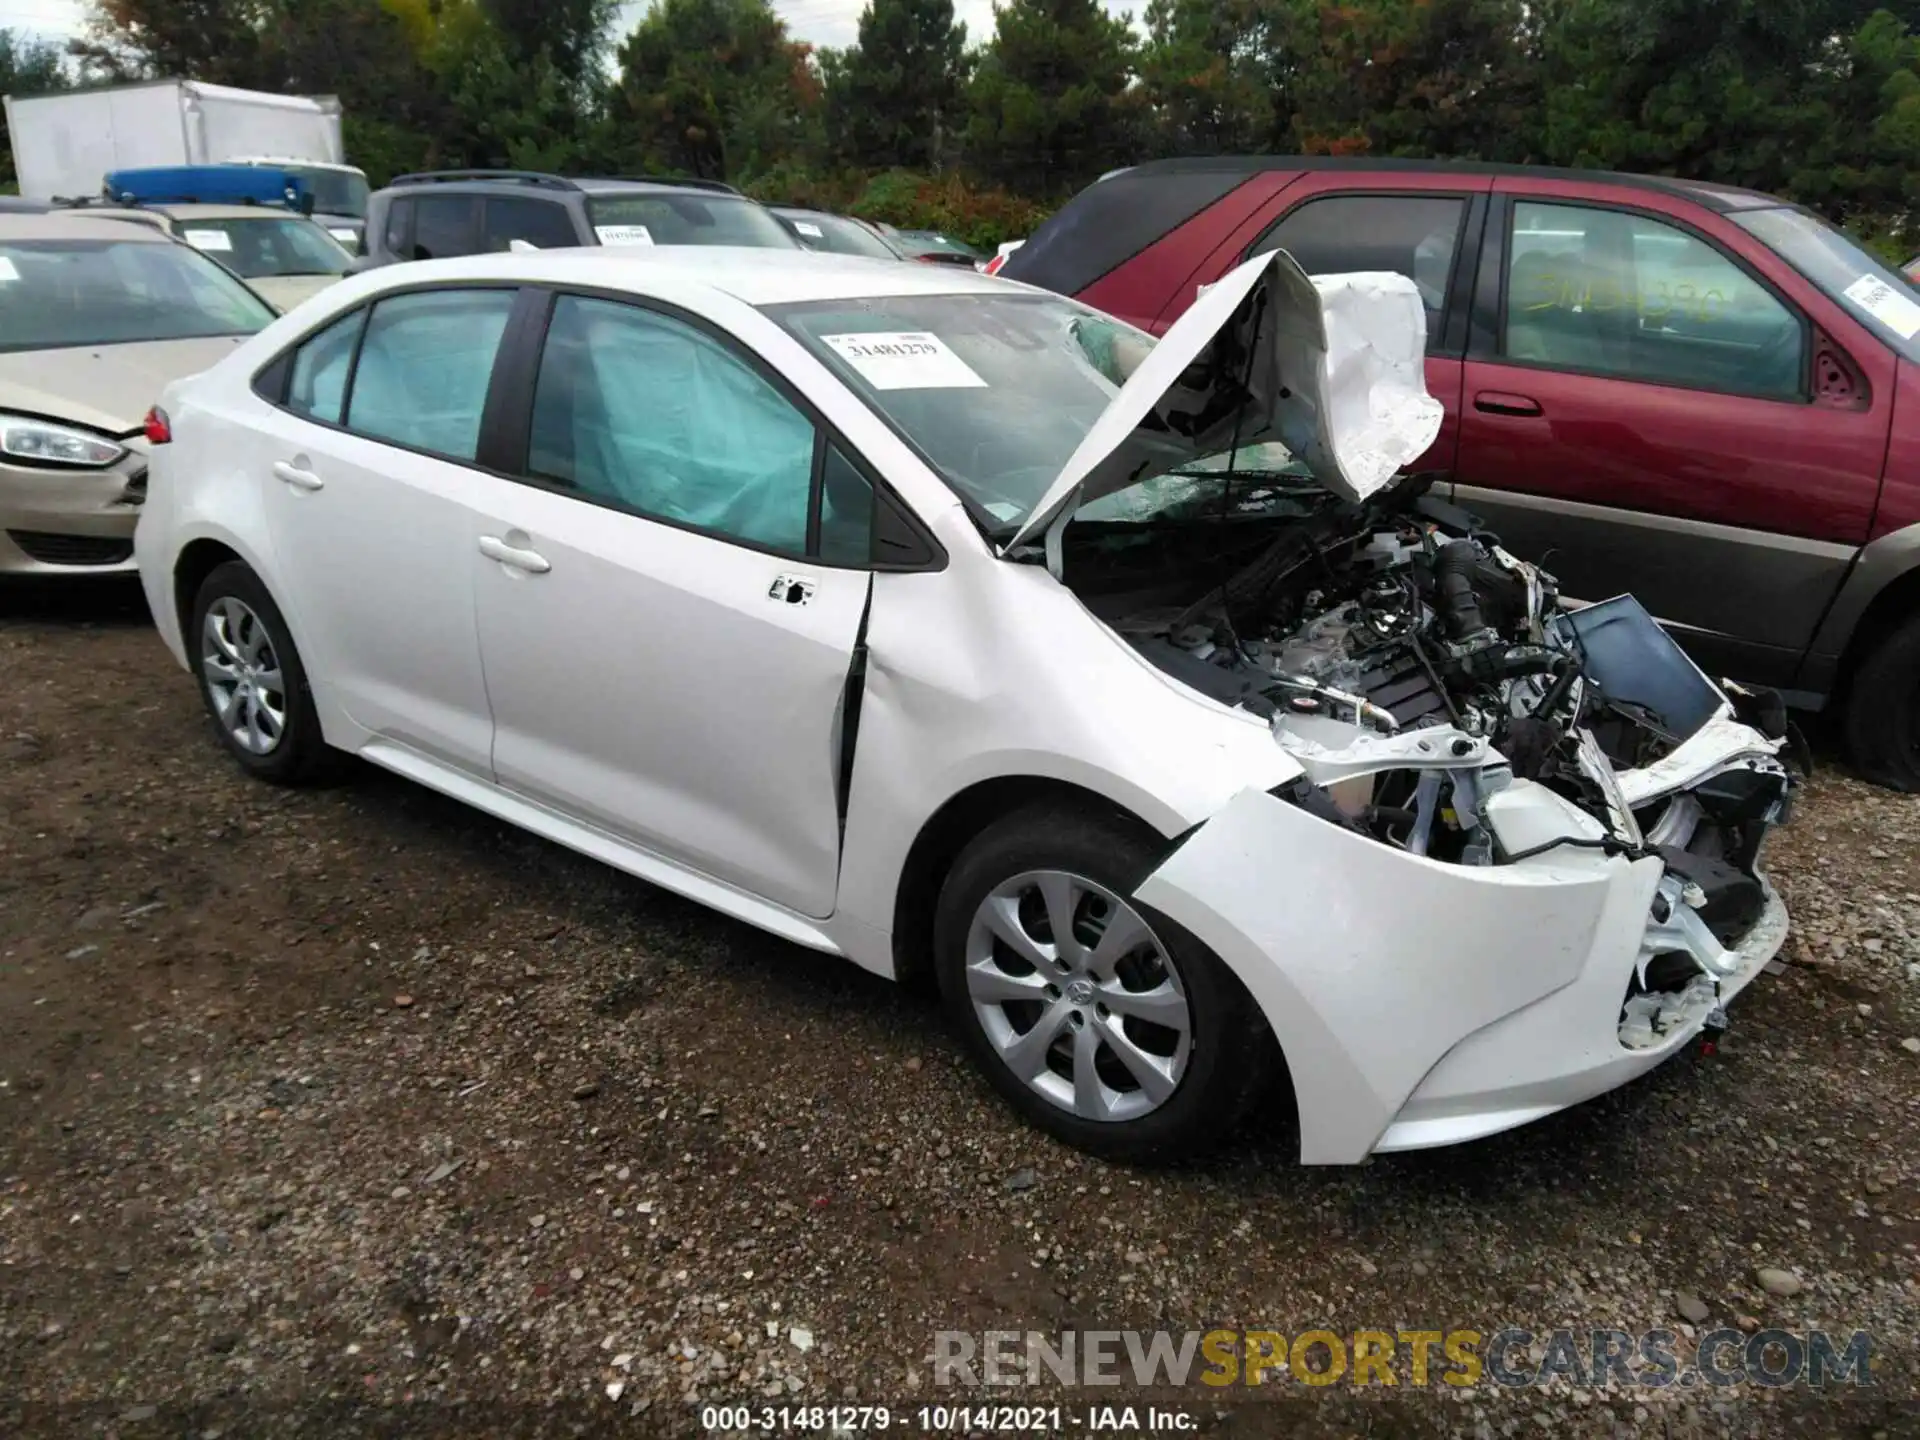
[
  {"x": 197, "y": 559},
  {"x": 949, "y": 830},
  {"x": 1894, "y": 603}
]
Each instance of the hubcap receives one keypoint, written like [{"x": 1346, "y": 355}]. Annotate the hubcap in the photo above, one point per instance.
[
  {"x": 242, "y": 672},
  {"x": 1078, "y": 996}
]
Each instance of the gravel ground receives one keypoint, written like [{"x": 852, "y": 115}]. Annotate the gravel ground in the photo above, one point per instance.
[{"x": 354, "y": 1112}]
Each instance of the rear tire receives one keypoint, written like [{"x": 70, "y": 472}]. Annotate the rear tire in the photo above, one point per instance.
[
  {"x": 1882, "y": 717},
  {"x": 1143, "y": 1049},
  {"x": 253, "y": 683}
]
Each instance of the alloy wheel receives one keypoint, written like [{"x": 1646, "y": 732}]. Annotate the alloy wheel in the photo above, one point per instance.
[
  {"x": 243, "y": 677},
  {"x": 1078, "y": 996}
]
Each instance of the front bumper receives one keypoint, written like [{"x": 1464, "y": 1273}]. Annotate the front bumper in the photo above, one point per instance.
[
  {"x": 70, "y": 522},
  {"x": 1422, "y": 1003}
]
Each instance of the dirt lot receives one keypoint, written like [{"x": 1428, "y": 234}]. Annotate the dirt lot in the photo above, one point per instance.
[{"x": 353, "y": 1112}]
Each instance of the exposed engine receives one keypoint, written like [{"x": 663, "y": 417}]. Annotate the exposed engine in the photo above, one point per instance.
[{"x": 1416, "y": 668}]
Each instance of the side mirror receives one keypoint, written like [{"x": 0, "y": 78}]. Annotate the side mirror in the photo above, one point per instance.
[{"x": 306, "y": 204}]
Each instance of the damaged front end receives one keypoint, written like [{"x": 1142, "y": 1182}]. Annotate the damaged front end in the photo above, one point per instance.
[{"x": 1443, "y": 703}]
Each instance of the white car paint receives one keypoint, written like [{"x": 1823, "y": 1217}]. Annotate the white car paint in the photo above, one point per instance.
[{"x": 642, "y": 696}]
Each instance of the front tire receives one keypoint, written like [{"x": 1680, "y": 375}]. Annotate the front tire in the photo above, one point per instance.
[
  {"x": 1883, "y": 710},
  {"x": 1127, "y": 1038},
  {"x": 252, "y": 681}
]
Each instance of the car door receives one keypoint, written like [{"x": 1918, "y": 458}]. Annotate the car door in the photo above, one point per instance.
[
  {"x": 1424, "y": 225},
  {"x": 367, "y": 463},
  {"x": 666, "y": 631},
  {"x": 1651, "y": 407}
]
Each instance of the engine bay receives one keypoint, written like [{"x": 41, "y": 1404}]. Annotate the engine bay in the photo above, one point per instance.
[{"x": 1416, "y": 669}]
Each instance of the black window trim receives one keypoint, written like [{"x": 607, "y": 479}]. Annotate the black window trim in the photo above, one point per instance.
[
  {"x": 516, "y": 375},
  {"x": 1447, "y": 342},
  {"x": 1490, "y": 340}
]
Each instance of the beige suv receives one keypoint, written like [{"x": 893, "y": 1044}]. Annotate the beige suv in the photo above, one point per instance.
[{"x": 96, "y": 317}]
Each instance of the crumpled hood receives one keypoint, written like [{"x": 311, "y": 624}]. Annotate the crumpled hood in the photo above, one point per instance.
[
  {"x": 104, "y": 387},
  {"x": 1333, "y": 368}
]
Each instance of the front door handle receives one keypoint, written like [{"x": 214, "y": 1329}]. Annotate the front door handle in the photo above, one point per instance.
[
  {"x": 298, "y": 476},
  {"x": 1499, "y": 402},
  {"x": 531, "y": 561}
]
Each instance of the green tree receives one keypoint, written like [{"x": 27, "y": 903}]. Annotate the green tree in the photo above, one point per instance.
[
  {"x": 1204, "y": 74},
  {"x": 894, "y": 97},
  {"x": 1049, "y": 103},
  {"x": 712, "y": 88},
  {"x": 28, "y": 66}
]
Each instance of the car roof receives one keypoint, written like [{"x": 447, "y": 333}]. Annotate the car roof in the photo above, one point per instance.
[
  {"x": 754, "y": 276},
  {"x": 1718, "y": 197},
  {"x": 64, "y": 225},
  {"x": 1120, "y": 215}
]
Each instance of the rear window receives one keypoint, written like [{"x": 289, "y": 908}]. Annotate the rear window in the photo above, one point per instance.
[
  {"x": 257, "y": 249},
  {"x": 1111, "y": 221},
  {"x": 692, "y": 218},
  {"x": 57, "y": 293}
]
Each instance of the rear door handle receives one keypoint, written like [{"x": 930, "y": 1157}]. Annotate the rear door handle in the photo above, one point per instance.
[
  {"x": 1499, "y": 402},
  {"x": 531, "y": 561},
  {"x": 296, "y": 476}
]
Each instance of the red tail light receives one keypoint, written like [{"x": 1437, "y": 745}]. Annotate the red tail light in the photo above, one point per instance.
[
  {"x": 159, "y": 428},
  {"x": 993, "y": 265}
]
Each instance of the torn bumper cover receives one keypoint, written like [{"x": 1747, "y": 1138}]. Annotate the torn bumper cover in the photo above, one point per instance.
[{"x": 1421, "y": 1003}]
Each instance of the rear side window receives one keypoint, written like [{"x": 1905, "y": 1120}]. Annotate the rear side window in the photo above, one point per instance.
[
  {"x": 442, "y": 226},
  {"x": 425, "y": 365},
  {"x": 1113, "y": 220},
  {"x": 1611, "y": 292},
  {"x": 317, "y": 388},
  {"x": 539, "y": 223},
  {"x": 1412, "y": 235}
]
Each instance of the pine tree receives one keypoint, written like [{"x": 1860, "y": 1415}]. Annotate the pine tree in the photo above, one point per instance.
[
  {"x": 894, "y": 94},
  {"x": 1049, "y": 103}
]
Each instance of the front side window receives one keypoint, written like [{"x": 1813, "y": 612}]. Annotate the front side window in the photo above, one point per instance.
[
  {"x": 56, "y": 293},
  {"x": 442, "y": 227},
  {"x": 1615, "y": 293},
  {"x": 318, "y": 385},
  {"x": 690, "y": 217},
  {"x": 539, "y": 223},
  {"x": 647, "y": 412},
  {"x": 425, "y": 365},
  {"x": 261, "y": 248},
  {"x": 1411, "y": 235}
]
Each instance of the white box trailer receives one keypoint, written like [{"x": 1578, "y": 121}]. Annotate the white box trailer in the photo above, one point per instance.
[{"x": 64, "y": 144}]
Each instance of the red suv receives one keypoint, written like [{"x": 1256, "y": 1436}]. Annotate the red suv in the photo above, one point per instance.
[{"x": 1703, "y": 395}]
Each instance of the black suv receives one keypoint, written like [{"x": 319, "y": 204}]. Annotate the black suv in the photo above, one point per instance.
[{"x": 439, "y": 213}]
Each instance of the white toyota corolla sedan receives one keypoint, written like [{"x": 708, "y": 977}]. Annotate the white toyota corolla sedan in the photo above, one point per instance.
[{"x": 945, "y": 624}]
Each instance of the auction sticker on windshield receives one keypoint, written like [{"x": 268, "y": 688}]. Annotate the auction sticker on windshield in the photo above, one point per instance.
[
  {"x": 7, "y": 272},
  {"x": 904, "y": 360},
  {"x": 1886, "y": 304},
  {"x": 209, "y": 239},
  {"x": 623, "y": 234},
  {"x": 808, "y": 228}
]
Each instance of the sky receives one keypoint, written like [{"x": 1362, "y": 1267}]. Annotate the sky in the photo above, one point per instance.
[{"x": 824, "y": 22}]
